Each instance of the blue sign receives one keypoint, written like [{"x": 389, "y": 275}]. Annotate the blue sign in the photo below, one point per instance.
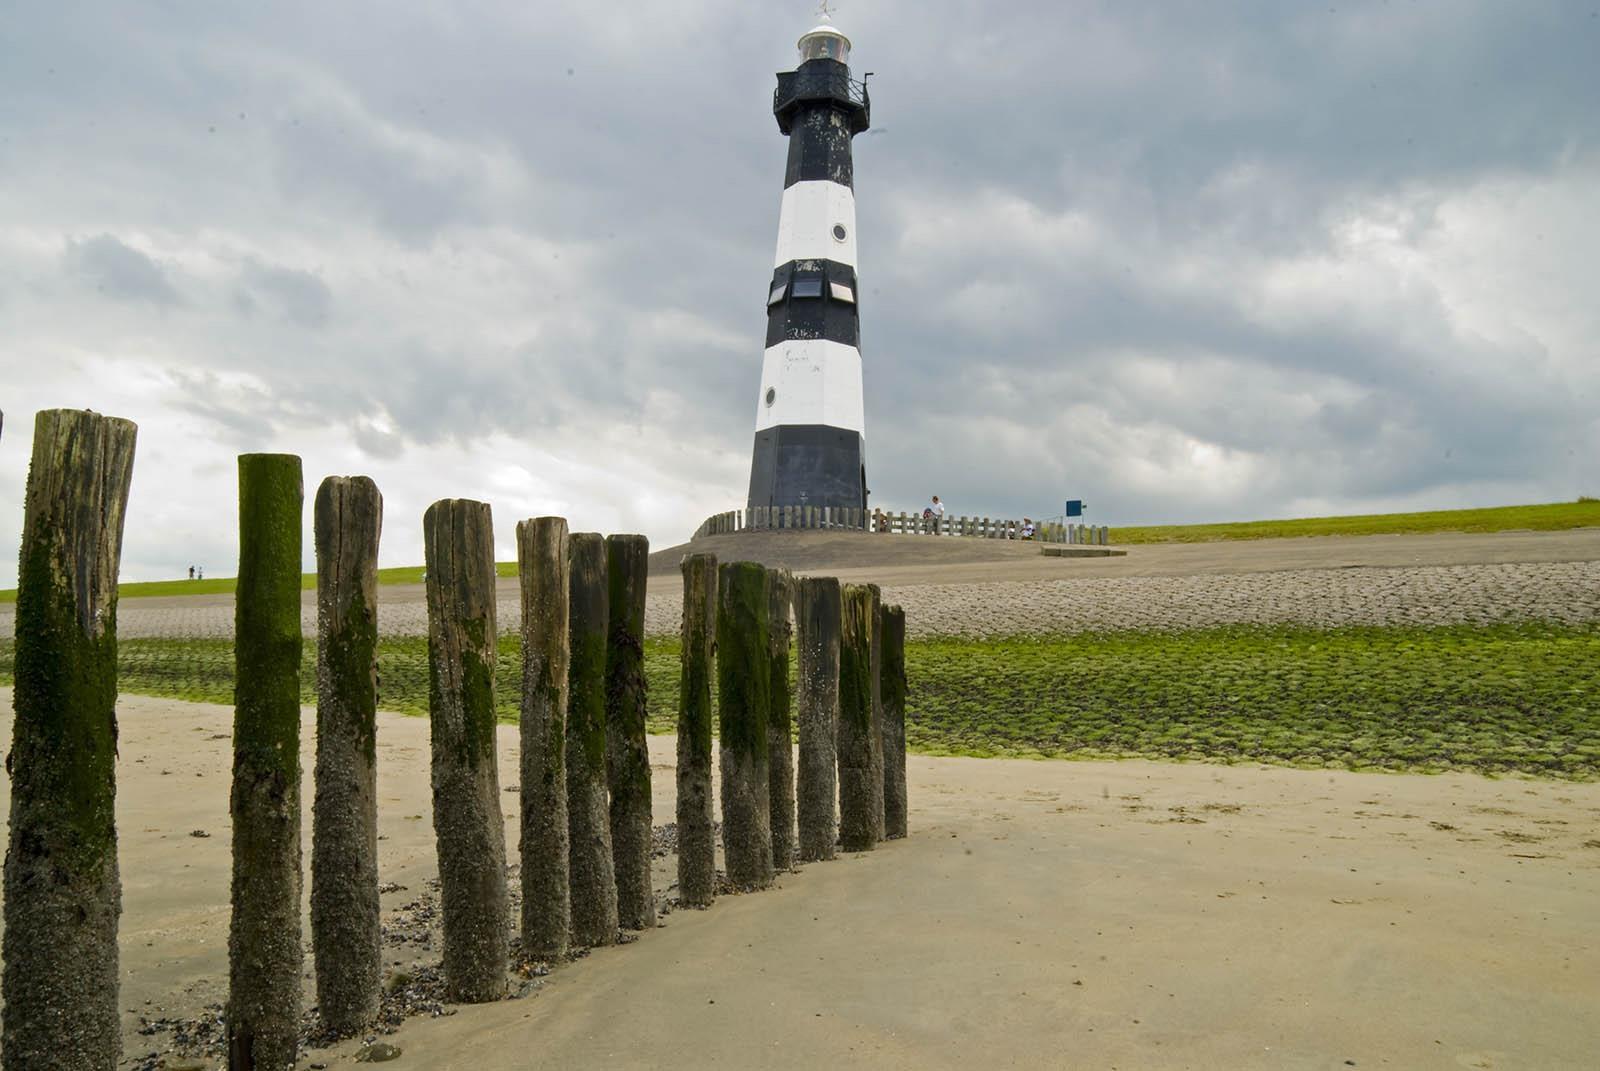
[{"x": 1074, "y": 507}]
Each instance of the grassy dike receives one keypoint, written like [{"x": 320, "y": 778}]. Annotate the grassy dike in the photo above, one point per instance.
[{"x": 1501, "y": 699}]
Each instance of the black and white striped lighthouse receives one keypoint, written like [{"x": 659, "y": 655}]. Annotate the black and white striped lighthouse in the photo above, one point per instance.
[{"x": 810, "y": 447}]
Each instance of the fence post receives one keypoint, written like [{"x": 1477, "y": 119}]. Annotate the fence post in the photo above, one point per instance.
[
  {"x": 458, "y": 546},
  {"x": 893, "y": 692},
  {"x": 860, "y": 732},
  {"x": 590, "y": 866},
  {"x": 627, "y": 747},
  {"x": 697, "y": 849},
  {"x": 780, "y": 740},
  {"x": 263, "y": 1015},
  {"x": 546, "y": 895},
  {"x": 346, "y": 939},
  {"x": 62, "y": 889},
  {"x": 743, "y": 700},
  {"x": 817, "y": 617}
]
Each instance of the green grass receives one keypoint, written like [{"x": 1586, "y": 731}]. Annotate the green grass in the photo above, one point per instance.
[
  {"x": 1500, "y": 699},
  {"x": 1583, "y": 513}
]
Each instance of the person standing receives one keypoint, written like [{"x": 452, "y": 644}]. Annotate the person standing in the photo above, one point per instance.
[
  {"x": 937, "y": 509},
  {"x": 191, "y": 572}
]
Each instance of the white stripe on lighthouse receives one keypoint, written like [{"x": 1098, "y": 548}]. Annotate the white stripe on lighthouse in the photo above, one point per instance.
[
  {"x": 813, "y": 381},
  {"x": 806, "y": 222}
]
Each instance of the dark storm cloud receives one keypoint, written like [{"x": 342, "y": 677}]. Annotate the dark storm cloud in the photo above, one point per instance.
[
  {"x": 119, "y": 271},
  {"x": 1106, "y": 248}
]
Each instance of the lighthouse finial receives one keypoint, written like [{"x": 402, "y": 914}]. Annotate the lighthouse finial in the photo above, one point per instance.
[{"x": 824, "y": 12}]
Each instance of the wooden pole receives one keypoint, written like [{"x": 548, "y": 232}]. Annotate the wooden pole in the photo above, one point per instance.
[
  {"x": 860, "y": 740},
  {"x": 697, "y": 849},
  {"x": 593, "y": 879},
  {"x": 817, "y": 615},
  {"x": 346, "y": 939},
  {"x": 893, "y": 691},
  {"x": 546, "y": 894},
  {"x": 744, "y": 700},
  {"x": 627, "y": 746},
  {"x": 264, "y": 954},
  {"x": 458, "y": 540},
  {"x": 780, "y": 723},
  {"x": 62, "y": 890}
]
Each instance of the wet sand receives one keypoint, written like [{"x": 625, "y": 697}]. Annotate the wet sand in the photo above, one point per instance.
[{"x": 1042, "y": 914}]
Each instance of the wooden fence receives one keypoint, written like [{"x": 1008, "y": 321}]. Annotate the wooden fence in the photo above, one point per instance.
[
  {"x": 774, "y": 518},
  {"x": 584, "y": 747}
]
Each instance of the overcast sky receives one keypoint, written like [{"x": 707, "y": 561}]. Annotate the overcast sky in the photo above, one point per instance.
[{"x": 1184, "y": 261}]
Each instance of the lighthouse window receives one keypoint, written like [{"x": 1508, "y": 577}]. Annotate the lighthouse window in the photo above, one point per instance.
[
  {"x": 772, "y": 395},
  {"x": 777, "y": 294},
  {"x": 808, "y": 286},
  {"x": 839, "y": 232},
  {"x": 842, "y": 292}
]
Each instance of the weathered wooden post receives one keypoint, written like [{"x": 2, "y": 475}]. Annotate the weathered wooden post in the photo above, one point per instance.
[
  {"x": 697, "y": 847},
  {"x": 892, "y": 688},
  {"x": 591, "y": 868},
  {"x": 780, "y": 723},
  {"x": 744, "y": 699},
  {"x": 546, "y": 894},
  {"x": 860, "y": 733},
  {"x": 627, "y": 746},
  {"x": 458, "y": 546},
  {"x": 346, "y": 939},
  {"x": 62, "y": 890},
  {"x": 264, "y": 953},
  {"x": 817, "y": 618}
]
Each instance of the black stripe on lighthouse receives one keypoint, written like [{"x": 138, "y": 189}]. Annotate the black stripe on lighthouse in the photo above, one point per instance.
[
  {"x": 813, "y": 299},
  {"x": 819, "y": 148}
]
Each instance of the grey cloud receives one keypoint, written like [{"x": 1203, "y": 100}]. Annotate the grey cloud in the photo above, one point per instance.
[
  {"x": 298, "y": 296},
  {"x": 119, "y": 271}
]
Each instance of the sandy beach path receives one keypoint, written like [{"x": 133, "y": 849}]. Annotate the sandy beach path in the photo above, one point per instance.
[{"x": 1042, "y": 914}]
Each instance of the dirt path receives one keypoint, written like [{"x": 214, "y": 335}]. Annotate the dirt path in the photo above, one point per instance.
[{"x": 1043, "y": 914}]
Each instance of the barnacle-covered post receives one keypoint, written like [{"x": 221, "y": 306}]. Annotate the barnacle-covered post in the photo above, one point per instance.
[
  {"x": 817, "y": 617},
  {"x": 264, "y": 953},
  {"x": 697, "y": 849},
  {"x": 346, "y": 939},
  {"x": 744, "y": 699},
  {"x": 892, "y": 687},
  {"x": 469, "y": 827},
  {"x": 63, "y": 894},
  {"x": 591, "y": 867},
  {"x": 780, "y": 727},
  {"x": 860, "y": 732},
  {"x": 627, "y": 746},
  {"x": 546, "y": 892}
]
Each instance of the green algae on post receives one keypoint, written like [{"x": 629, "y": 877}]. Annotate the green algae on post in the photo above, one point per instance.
[
  {"x": 697, "y": 864},
  {"x": 744, "y": 699},
  {"x": 62, "y": 888},
  {"x": 264, "y": 945}
]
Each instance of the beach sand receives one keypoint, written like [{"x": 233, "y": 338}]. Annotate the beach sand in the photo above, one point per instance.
[{"x": 1041, "y": 914}]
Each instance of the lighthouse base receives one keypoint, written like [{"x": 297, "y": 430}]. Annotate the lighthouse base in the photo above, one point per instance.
[{"x": 808, "y": 465}]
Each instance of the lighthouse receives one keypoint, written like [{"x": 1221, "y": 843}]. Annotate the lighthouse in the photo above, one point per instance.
[{"x": 810, "y": 447}]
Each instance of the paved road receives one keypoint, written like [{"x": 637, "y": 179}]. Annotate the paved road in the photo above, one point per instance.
[{"x": 967, "y": 587}]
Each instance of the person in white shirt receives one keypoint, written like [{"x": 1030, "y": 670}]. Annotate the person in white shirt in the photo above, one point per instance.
[{"x": 937, "y": 508}]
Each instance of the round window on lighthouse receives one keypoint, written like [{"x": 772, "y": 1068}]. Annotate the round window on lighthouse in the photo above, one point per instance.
[
  {"x": 839, "y": 233},
  {"x": 772, "y": 395}
]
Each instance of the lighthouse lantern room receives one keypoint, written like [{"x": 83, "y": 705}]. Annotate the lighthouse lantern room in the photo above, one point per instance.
[{"x": 810, "y": 445}]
